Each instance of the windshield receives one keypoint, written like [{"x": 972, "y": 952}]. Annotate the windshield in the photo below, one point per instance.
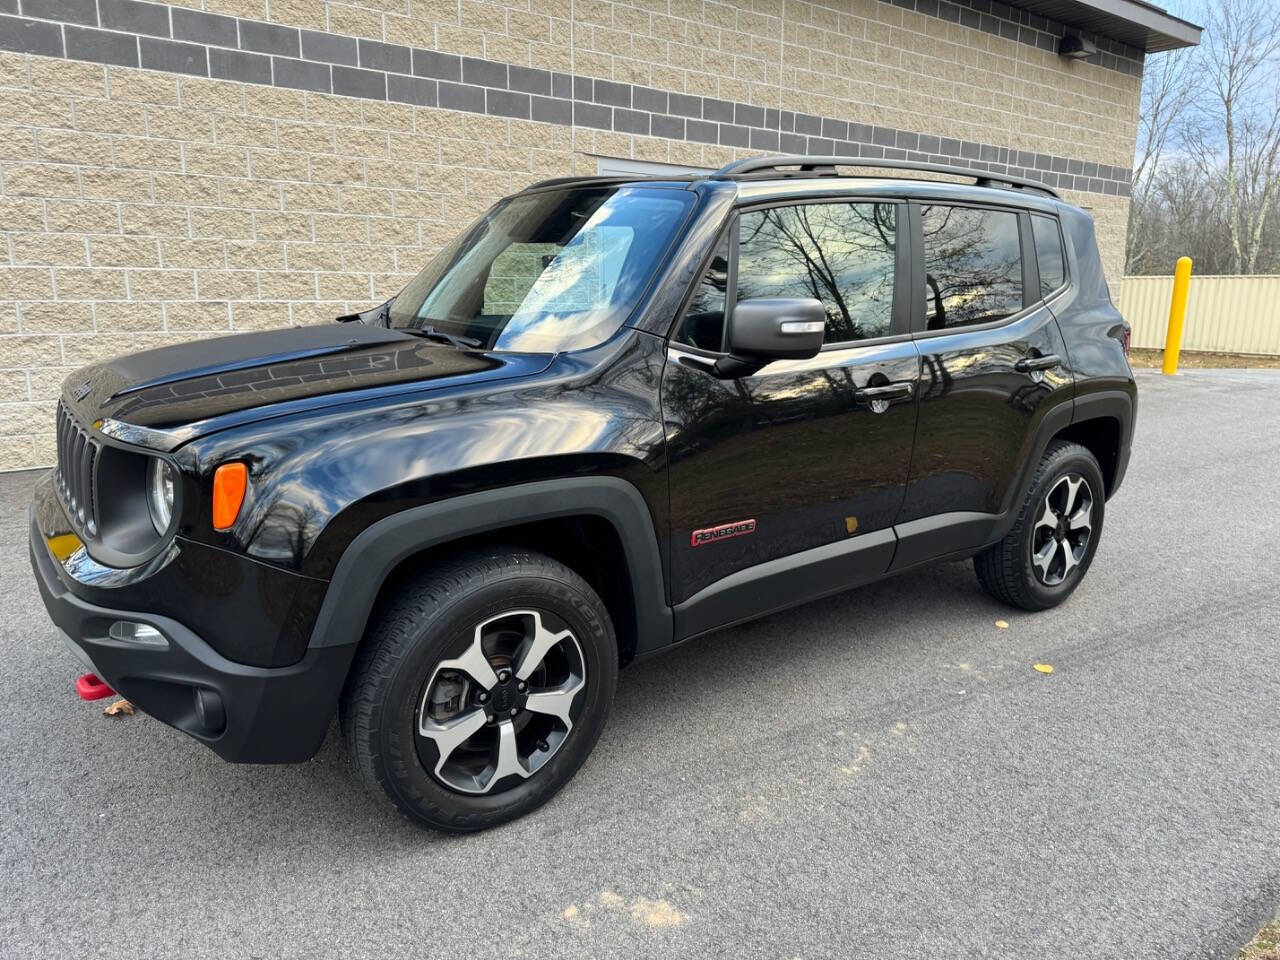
[{"x": 546, "y": 272}]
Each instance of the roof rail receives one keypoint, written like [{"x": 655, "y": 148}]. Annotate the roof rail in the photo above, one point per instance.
[
  {"x": 825, "y": 166},
  {"x": 576, "y": 178}
]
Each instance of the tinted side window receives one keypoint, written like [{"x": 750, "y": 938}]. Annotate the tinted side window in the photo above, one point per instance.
[
  {"x": 703, "y": 324},
  {"x": 973, "y": 265},
  {"x": 841, "y": 253},
  {"x": 1053, "y": 270}
]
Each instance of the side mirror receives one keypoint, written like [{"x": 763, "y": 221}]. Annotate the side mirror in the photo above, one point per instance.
[{"x": 767, "y": 329}]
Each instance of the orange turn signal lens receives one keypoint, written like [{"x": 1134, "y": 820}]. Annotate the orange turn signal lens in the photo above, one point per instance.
[{"x": 229, "y": 482}]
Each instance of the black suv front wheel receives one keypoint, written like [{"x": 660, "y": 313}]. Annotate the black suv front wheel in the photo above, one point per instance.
[
  {"x": 1046, "y": 553},
  {"x": 480, "y": 690}
]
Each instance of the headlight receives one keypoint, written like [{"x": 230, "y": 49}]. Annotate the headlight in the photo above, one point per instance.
[{"x": 160, "y": 481}]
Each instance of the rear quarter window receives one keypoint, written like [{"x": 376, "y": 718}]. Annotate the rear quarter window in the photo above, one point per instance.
[{"x": 1049, "y": 254}]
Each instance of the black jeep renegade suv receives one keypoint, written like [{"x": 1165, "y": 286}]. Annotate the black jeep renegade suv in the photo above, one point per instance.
[{"x": 613, "y": 415}]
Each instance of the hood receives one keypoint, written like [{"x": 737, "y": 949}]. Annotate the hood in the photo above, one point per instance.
[{"x": 308, "y": 366}]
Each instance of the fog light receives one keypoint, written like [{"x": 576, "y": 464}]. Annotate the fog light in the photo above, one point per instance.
[{"x": 143, "y": 634}]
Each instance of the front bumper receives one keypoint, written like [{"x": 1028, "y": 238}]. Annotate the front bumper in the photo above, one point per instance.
[{"x": 243, "y": 713}]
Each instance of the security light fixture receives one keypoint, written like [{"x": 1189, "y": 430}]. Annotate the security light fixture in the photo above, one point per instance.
[{"x": 1075, "y": 47}]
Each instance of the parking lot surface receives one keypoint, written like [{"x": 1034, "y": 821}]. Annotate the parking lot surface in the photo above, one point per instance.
[{"x": 881, "y": 775}]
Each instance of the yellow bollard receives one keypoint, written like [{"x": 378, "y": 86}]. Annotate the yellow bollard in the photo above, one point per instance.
[{"x": 1177, "y": 315}]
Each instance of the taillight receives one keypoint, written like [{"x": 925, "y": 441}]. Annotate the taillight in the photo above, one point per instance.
[{"x": 229, "y": 483}]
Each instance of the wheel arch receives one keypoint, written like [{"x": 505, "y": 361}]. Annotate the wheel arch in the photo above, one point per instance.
[
  {"x": 1084, "y": 421},
  {"x": 1101, "y": 437},
  {"x": 563, "y": 518},
  {"x": 586, "y": 543},
  {"x": 1102, "y": 423}
]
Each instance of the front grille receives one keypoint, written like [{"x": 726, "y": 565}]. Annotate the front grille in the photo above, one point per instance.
[{"x": 77, "y": 454}]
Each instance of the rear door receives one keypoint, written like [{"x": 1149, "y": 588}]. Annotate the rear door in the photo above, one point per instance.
[
  {"x": 785, "y": 484},
  {"x": 993, "y": 363}
]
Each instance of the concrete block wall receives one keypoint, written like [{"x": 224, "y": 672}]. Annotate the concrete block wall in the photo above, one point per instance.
[{"x": 175, "y": 171}]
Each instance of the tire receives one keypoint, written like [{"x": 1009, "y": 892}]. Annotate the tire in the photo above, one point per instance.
[
  {"x": 1016, "y": 570},
  {"x": 410, "y": 695}
]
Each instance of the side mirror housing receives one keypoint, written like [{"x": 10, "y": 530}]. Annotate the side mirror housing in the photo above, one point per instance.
[{"x": 767, "y": 329}]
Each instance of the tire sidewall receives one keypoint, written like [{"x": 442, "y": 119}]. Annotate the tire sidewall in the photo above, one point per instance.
[
  {"x": 439, "y": 637},
  {"x": 1070, "y": 460}
]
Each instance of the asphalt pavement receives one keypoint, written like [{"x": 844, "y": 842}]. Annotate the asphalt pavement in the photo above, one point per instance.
[{"x": 880, "y": 775}]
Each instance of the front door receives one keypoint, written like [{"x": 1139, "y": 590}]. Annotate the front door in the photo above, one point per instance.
[
  {"x": 993, "y": 362},
  {"x": 785, "y": 484}
]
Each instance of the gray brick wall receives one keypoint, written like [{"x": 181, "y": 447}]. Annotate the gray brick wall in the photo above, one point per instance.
[{"x": 370, "y": 69}]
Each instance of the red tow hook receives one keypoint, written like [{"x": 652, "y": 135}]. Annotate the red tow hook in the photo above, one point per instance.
[{"x": 91, "y": 687}]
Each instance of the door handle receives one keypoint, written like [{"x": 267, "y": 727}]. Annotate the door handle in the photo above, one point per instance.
[
  {"x": 1029, "y": 364},
  {"x": 890, "y": 391}
]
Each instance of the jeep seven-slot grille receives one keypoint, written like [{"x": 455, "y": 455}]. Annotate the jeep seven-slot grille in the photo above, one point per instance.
[{"x": 77, "y": 453}]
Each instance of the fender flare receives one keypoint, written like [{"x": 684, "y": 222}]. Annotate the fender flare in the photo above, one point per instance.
[
  {"x": 371, "y": 556},
  {"x": 1104, "y": 403}
]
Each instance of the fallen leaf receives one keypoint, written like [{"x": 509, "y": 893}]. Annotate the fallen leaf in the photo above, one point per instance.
[
  {"x": 1002, "y": 624},
  {"x": 121, "y": 708},
  {"x": 655, "y": 913},
  {"x": 1044, "y": 667},
  {"x": 575, "y": 918}
]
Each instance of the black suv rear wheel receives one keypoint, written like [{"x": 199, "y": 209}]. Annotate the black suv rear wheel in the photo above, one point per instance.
[
  {"x": 481, "y": 689},
  {"x": 1043, "y": 558}
]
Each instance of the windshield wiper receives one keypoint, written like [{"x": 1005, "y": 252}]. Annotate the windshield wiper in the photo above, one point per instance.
[{"x": 428, "y": 332}]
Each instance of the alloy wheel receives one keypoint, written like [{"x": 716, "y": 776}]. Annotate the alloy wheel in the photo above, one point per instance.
[
  {"x": 494, "y": 715},
  {"x": 1062, "y": 529}
]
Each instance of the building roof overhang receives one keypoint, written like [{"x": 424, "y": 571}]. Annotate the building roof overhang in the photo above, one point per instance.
[{"x": 1133, "y": 22}]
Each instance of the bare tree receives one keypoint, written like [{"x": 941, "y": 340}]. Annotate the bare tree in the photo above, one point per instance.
[
  {"x": 1235, "y": 134},
  {"x": 1166, "y": 94}
]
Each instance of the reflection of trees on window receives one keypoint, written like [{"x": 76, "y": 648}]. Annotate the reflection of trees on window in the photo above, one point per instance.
[
  {"x": 704, "y": 318},
  {"x": 839, "y": 253},
  {"x": 973, "y": 265}
]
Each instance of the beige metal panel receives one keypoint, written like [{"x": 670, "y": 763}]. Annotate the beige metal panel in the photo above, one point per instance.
[{"x": 1224, "y": 314}]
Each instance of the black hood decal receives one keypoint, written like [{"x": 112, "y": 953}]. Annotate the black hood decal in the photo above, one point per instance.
[{"x": 208, "y": 379}]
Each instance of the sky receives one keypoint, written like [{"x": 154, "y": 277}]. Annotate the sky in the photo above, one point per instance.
[{"x": 1193, "y": 10}]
